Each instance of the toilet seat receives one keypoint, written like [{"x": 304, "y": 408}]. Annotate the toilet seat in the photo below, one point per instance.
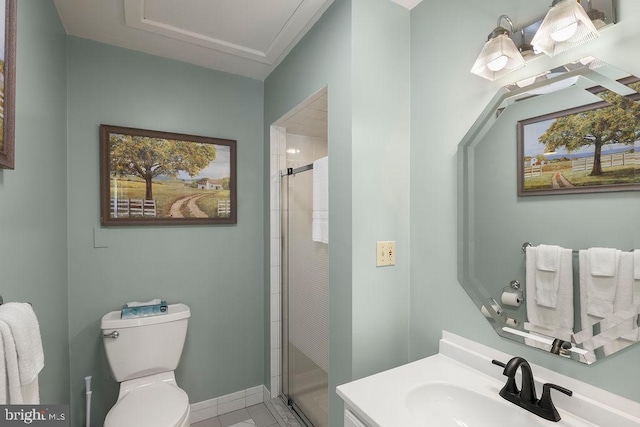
[{"x": 157, "y": 404}]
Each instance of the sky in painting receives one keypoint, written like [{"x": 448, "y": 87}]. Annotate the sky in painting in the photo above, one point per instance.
[
  {"x": 533, "y": 147},
  {"x": 219, "y": 168}
]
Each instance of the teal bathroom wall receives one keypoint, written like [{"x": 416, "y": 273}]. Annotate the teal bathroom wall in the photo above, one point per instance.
[
  {"x": 323, "y": 58},
  {"x": 380, "y": 172},
  {"x": 446, "y": 100},
  {"x": 216, "y": 270},
  {"x": 360, "y": 50},
  {"x": 33, "y": 253}
]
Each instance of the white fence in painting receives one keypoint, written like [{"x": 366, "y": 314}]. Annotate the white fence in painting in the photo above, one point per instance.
[
  {"x": 122, "y": 208},
  {"x": 607, "y": 161},
  {"x": 224, "y": 207},
  {"x": 533, "y": 168}
]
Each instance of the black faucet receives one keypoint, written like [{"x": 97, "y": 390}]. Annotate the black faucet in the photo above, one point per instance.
[
  {"x": 526, "y": 398},
  {"x": 559, "y": 346}
]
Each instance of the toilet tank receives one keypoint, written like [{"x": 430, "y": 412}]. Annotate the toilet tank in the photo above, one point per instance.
[{"x": 145, "y": 345}]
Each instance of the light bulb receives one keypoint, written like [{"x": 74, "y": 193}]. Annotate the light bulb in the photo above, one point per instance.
[
  {"x": 527, "y": 82},
  {"x": 498, "y": 64},
  {"x": 564, "y": 34}
]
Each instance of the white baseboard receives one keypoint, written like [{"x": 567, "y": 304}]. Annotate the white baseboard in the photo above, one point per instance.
[{"x": 211, "y": 408}]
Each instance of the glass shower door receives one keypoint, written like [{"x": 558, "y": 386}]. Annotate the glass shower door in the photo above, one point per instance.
[{"x": 305, "y": 357}]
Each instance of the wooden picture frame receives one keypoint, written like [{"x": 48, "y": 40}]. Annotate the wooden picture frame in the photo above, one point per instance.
[
  {"x": 160, "y": 178},
  {"x": 571, "y": 151},
  {"x": 8, "y": 85}
]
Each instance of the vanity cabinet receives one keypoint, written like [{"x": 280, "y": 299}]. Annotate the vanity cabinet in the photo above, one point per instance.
[{"x": 350, "y": 420}]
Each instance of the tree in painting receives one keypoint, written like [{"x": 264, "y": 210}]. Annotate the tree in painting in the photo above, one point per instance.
[
  {"x": 618, "y": 123},
  {"x": 148, "y": 158}
]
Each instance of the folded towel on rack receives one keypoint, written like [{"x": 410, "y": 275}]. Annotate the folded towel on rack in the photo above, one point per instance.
[
  {"x": 547, "y": 282},
  {"x": 548, "y": 257},
  {"x": 600, "y": 289},
  {"x": 560, "y": 317},
  {"x": 23, "y": 322},
  {"x": 11, "y": 389},
  {"x": 604, "y": 261},
  {"x": 4, "y": 383},
  {"x": 548, "y": 274},
  {"x": 320, "y": 217},
  {"x": 621, "y": 327}
]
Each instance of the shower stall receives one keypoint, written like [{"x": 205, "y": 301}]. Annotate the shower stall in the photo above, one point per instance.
[
  {"x": 299, "y": 260},
  {"x": 305, "y": 301}
]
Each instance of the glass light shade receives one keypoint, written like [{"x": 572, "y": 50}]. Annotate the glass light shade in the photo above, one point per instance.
[
  {"x": 565, "y": 26},
  {"x": 498, "y": 57}
]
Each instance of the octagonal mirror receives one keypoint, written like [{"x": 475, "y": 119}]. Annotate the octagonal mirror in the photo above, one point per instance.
[{"x": 548, "y": 193}]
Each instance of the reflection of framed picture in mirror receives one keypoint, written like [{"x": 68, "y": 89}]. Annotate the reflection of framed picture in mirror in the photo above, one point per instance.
[
  {"x": 7, "y": 83},
  {"x": 591, "y": 148},
  {"x": 159, "y": 178}
]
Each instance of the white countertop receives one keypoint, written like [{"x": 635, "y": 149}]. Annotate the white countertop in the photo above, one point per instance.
[{"x": 381, "y": 400}]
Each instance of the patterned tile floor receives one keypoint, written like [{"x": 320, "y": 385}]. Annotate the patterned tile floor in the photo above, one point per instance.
[{"x": 253, "y": 416}]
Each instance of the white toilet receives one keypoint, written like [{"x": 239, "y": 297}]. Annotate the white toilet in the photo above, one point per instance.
[{"x": 143, "y": 353}]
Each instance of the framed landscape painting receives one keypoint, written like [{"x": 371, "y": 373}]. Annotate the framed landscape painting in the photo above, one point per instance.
[
  {"x": 7, "y": 83},
  {"x": 592, "y": 148},
  {"x": 159, "y": 178}
]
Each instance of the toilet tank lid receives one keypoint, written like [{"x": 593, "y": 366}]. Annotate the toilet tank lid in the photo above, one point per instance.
[{"x": 175, "y": 312}]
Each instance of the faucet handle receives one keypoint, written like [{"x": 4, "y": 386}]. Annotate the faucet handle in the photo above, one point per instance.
[
  {"x": 545, "y": 401},
  {"x": 499, "y": 363},
  {"x": 510, "y": 386}
]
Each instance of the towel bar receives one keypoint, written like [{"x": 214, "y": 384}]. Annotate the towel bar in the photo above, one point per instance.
[{"x": 525, "y": 245}]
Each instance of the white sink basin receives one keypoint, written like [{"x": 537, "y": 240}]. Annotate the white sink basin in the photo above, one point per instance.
[
  {"x": 460, "y": 387},
  {"x": 443, "y": 404}
]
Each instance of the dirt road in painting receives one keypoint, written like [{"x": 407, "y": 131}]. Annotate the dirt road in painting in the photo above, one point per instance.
[
  {"x": 559, "y": 181},
  {"x": 190, "y": 203}
]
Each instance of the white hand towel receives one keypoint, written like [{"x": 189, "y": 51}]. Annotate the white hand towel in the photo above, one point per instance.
[
  {"x": 12, "y": 387},
  {"x": 4, "y": 386},
  {"x": 620, "y": 327},
  {"x": 558, "y": 318},
  {"x": 26, "y": 334},
  {"x": 604, "y": 261},
  {"x": 547, "y": 275},
  {"x": 548, "y": 257},
  {"x": 320, "y": 218},
  {"x": 600, "y": 288}
]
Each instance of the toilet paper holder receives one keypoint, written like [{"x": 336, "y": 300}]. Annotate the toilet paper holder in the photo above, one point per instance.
[{"x": 514, "y": 287}]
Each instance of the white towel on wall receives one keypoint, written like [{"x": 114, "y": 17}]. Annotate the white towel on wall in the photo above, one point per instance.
[
  {"x": 320, "y": 218},
  {"x": 22, "y": 337},
  {"x": 622, "y": 322},
  {"x": 603, "y": 261},
  {"x": 12, "y": 389},
  {"x": 559, "y": 318},
  {"x": 4, "y": 386},
  {"x": 548, "y": 257},
  {"x": 547, "y": 274},
  {"x": 600, "y": 287}
]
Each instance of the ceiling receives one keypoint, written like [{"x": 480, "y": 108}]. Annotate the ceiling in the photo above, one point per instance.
[
  {"x": 244, "y": 37},
  {"x": 308, "y": 118}
]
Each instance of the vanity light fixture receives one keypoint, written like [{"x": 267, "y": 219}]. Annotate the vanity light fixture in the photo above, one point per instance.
[
  {"x": 568, "y": 23},
  {"x": 565, "y": 26},
  {"x": 499, "y": 56}
]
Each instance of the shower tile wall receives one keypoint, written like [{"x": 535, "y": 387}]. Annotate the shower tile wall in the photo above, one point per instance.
[
  {"x": 287, "y": 151},
  {"x": 278, "y": 162}
]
